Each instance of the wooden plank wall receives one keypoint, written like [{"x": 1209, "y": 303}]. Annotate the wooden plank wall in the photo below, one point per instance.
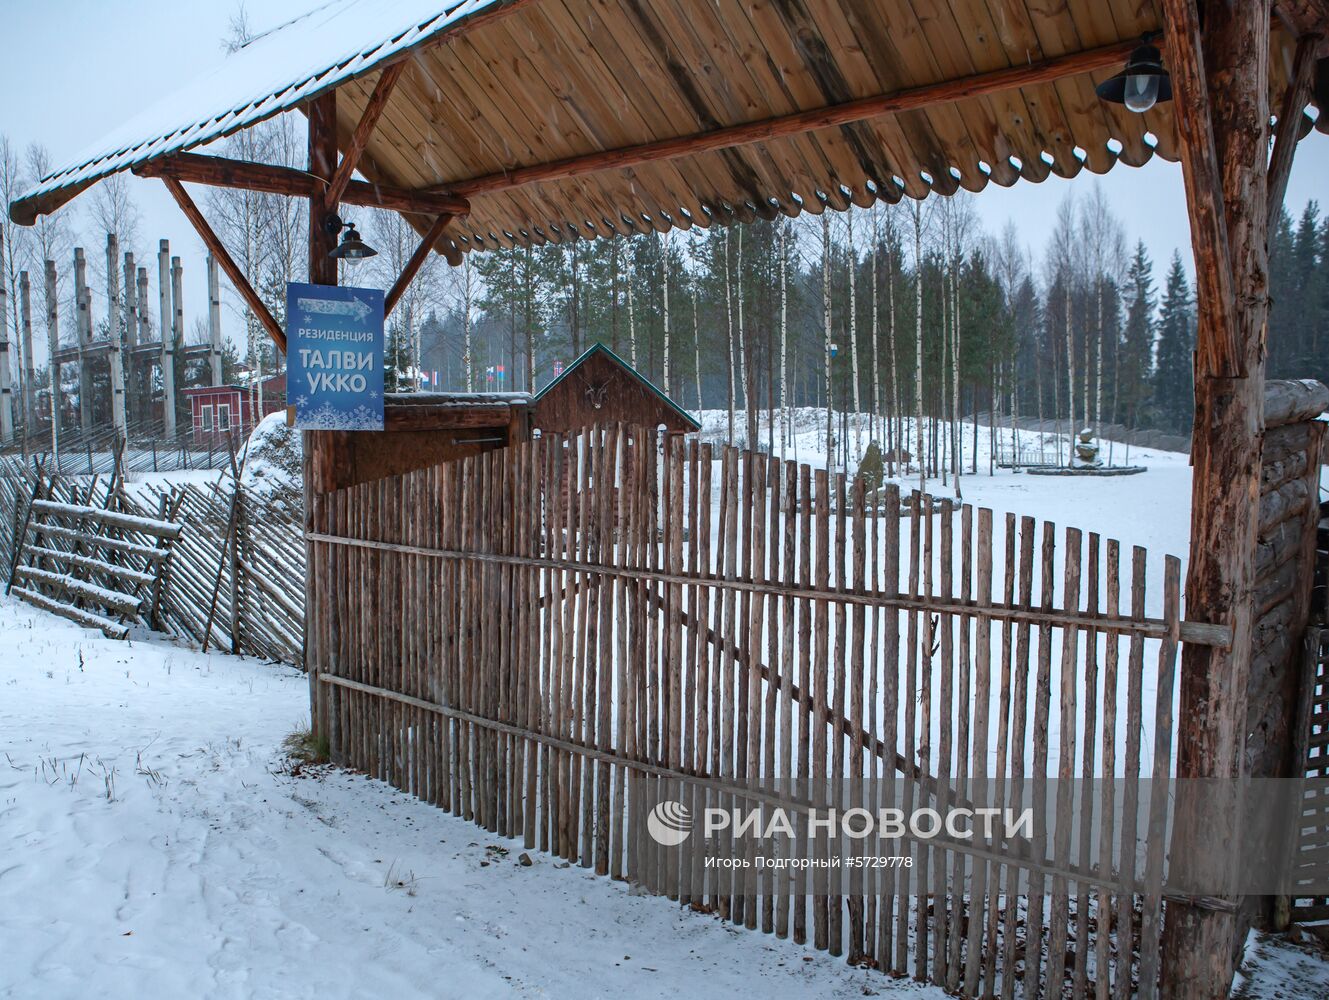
[{"x": 723, "y": 627}]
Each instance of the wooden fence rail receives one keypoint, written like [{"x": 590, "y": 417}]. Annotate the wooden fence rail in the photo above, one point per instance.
[
  {"x": 236, "y": 576},
  {"x": 553, "y": 638}
]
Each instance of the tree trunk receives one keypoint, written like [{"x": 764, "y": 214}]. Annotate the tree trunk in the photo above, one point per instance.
[
  {"x": 784, "y": 337},
  {"x": 853, "y": 330},
  {"x": 826, "y": 330},
  {"x": 467, "y": 356},
  {"x": 918, "y": 344},
  {"x": 1070, "y": 372},
  {"x": 664, "y": 287},
  {"x": 729, "y": 336}
]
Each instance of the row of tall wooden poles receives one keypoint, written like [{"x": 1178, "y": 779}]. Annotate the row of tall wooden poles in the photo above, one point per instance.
[{"x": 129, "y": 326}]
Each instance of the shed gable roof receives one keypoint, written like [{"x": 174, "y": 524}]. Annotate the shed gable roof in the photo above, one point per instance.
[{"x": 638, "y": 377}]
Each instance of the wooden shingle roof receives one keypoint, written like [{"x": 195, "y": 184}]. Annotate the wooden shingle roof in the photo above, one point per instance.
[{"x": 501, "y": 103}]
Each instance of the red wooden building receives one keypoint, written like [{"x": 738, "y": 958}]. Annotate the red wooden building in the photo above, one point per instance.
[{"x": 217, "y": 412}]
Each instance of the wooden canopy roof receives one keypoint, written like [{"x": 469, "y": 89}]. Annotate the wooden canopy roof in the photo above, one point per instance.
[{"x": 540, "y": 121}]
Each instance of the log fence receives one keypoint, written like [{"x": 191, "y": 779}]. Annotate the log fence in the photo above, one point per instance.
[
  {"x": 625, "y": 622},
  {"x": 554, "y": 639},
  {"x": 235, "y": 580}
]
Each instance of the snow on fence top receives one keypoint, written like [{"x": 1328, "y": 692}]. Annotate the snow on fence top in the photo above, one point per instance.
[
  {"x": 273, "y": 73},
  {"x": 129, "y": 522}
]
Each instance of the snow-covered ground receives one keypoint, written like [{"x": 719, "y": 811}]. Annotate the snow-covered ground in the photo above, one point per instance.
[
  {"x": 156, "y": 845},
  {"x": 1152, "y": 509}
]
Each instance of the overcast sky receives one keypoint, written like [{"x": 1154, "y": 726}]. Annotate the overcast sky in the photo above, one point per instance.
[{"x": 74, "y": 69}]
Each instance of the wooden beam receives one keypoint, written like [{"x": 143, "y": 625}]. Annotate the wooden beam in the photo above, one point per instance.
[
  {"x": 447, "y": 416},
  {"x": 912, "y": 99},
  {"x": 223, "y": 257},
  {"x": 413, "y": 265},
  {"x": 1289, "y": 122},
  {"x": 1305, "y": 17},
  {"x": 219, "y": 171},
  {"x": 378, "y": 100},
  {"x": 1216, "y": 349}
]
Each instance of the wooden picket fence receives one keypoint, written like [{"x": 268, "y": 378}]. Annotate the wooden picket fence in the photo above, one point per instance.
[
  {"x": 535, "y": 638},
  {"x": 235, "y": 580}
]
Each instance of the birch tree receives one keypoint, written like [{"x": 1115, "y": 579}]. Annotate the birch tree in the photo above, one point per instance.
[
  {"x": 916, "y": 212},
  {"x": 1104, "y": 242},
  {"x": 664, "y": 287},
  {"x": 853, "y": 327}
]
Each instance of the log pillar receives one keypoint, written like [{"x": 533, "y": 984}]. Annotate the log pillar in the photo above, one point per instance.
[
  {"x": 29, "y": 365},
  {"x": 6, "y": 389},
  {"x": 114, "y": 316},
  {"x": 83, "y": 329},
  {"x": 53, "y": 345},
  {"x": 177, "y": 337},
  {"x": 142, "y": 369},
  {"x": 1221, "y": 89},
  {"x": 214, "y": 322},
  {"x": 318, "y": 445},
  {"x": 167, "y": 346}
]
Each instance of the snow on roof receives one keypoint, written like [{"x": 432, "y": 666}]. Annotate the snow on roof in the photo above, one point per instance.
[{"x": 276, "y": 71}]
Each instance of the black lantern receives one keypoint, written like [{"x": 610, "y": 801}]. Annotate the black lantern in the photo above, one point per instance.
[
  {"x": 1142, "y": 84},
  {"x": 351, "y": 247}
]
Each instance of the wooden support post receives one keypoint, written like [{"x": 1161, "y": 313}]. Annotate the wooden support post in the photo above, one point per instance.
[
  {"x": 319, "y": 446},
  {"x": 6, "y": 386},
  {"x": 114, "y": 316},
  {"x": 29, "y": 365},
  {"x": 53, "y": 343},
  {"x": 1200, "y": 173},
  {"x": 167, "y": 354},
  {"x": 413, "y": 265},
  {"x": 130, "y": 338},
  {"x": 83, "y": 319},
  {"x": 142, "y": 372},
  {"x": 177, "y": 336},
  {"x": 131, "y": 302},
  {"x": 1289, "y": 122},
  {"x": 322, "y": 163},
  {"x": 1221, "y": 91},
  {"x": 214, "y": 322}
]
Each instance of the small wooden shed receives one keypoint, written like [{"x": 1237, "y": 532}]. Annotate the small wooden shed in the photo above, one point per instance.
[{"x": 600, "y": 388}]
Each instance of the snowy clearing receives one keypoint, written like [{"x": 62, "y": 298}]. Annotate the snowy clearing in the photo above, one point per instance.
[{"x": 156, "y": 841}]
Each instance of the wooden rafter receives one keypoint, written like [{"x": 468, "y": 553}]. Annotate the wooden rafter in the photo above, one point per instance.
[
  {"x": 378, "y": 100},
  {"x": 911, "y": 99},
  {"x": 413, "y": 265},
  {"x": 1217, "y": 354},
  {"x": 1289, "y": 122},
  {"x": 219, "y": 171},
  {"x": 223, "y": 257},
  {"x": 1306, "y": 17}
]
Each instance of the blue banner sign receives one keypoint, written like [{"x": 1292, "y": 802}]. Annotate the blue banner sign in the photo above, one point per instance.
[{"x": 334, "y": 357}]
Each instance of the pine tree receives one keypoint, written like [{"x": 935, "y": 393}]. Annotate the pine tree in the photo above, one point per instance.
[
  {"x": 1135, "y": 364},
  {"x": 1173, "y": 382}
]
